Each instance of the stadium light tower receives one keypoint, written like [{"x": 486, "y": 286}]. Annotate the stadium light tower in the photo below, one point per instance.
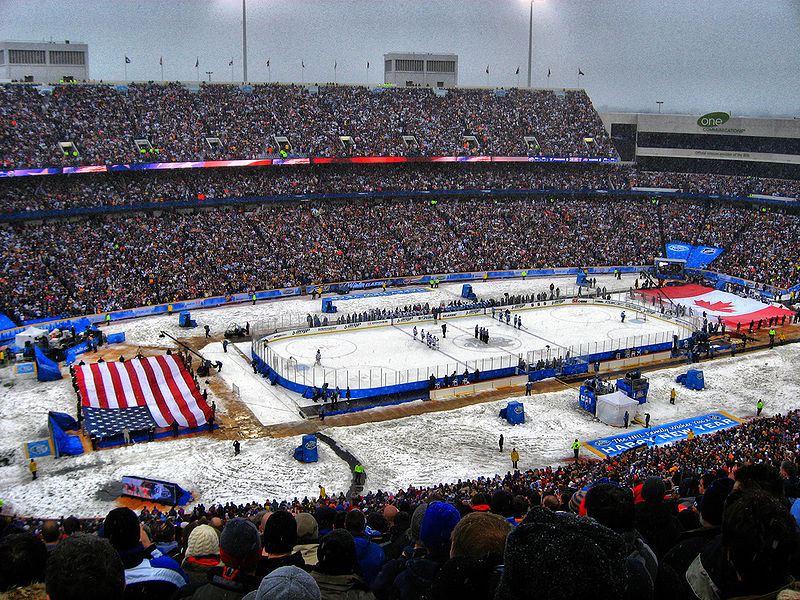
[
  {"x": 244, "y": 41},
  {"x": 530, "y": 44}
]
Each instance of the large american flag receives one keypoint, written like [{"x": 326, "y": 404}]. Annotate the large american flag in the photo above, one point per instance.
[{"x": 161, "y": 383}]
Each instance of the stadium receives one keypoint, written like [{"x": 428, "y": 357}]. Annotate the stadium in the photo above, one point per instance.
[{"x": 404, "y": 340}]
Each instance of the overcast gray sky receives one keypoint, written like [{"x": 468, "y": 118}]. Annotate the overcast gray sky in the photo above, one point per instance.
[{"x": 697, "y": 56}]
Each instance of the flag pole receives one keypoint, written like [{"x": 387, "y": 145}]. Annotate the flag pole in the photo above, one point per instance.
[
  {"x": 162, "y": 71},
  {"x": 126, "y": 70}
]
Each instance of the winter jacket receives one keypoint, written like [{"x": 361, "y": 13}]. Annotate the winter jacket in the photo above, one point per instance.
[
  {"x": 198, "y": 570},
  {"x": 370, "y": 558},
  {"x": 408, "y": 577},
  {"x": 154, "y": 576},
  {"x": 657, "y": 525},
  {"x": 268, "y": 565},
  {"x": 342, "y": 587},
  {"x": 226, "y": 584}
]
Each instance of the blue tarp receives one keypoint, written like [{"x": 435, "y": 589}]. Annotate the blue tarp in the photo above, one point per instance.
[
  {"x": 65, "y": 421},
  {"x": 6, "y": 323},
  {"x": 116, "y": 338},
  {"x": 46, "y": 369},
  {"x": 65, "y": 445}
]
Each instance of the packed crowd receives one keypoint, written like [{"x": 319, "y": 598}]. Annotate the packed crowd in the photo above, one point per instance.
[
  {"x": 108, "y": 263},
  {"x": 714, "y": 517},
  {"x": 112, "y": 190},
  {"x": 102, "y": 121}
]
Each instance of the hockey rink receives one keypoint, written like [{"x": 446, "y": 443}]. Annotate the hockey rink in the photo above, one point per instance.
[{"x": 390, "y": 354}]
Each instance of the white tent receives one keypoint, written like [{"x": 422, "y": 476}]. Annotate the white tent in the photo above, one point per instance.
[
  {"x": 611, "y": 408},
  {"x": 28, "y": 335}
]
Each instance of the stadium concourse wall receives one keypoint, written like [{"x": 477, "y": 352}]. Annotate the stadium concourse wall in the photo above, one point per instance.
[{"x": 632, "y": 356}]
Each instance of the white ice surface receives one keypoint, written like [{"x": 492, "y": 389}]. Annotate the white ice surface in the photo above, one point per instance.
[{"x": 420, "y": 450}]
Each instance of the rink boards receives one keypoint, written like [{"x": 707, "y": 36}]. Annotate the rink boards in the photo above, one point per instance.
[{"x": 376, "y": 356}]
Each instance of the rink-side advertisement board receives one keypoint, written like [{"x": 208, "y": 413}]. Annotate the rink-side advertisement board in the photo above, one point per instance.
[{"x": 663, "y": 434}]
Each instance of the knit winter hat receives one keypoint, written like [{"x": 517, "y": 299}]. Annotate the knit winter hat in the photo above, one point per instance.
[
  {"x": 307, "y": 528},
  {"x": 121, "y": 528},
  {"x": 559, "y": 556},
  {"x": 416, "y": 520},
  {"x": 337, "y": 553},
  {"x": 203, "y": 541},
  {"x": 653, "y": 489},
  {"x": 280, "y": 532},
  {"x": 239, "y": 544},
  {"x": 437, "y": 525},
  {"x": 288, "y": 583},
  {"x": 713, "y": 501}
]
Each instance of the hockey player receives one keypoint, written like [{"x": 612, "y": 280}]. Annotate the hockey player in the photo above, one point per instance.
[
  {"x": 519, "y": 323},
  {"x": 515, "y": 321},
  {"x": 319, "y": 357},
  {"x": 415, "y": 333},
  {"x": 622, "y": 316}
]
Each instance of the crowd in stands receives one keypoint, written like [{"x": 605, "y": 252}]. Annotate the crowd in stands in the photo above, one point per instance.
[
  {"x": 113, "y": 190},
  {"x": 714, "y": 517},
  {"x": 109, "y": 262},
  {"x": 102, "y": 121}
]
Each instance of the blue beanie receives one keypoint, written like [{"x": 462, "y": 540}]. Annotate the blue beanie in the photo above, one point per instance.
[{"x": 437, "y": 525}]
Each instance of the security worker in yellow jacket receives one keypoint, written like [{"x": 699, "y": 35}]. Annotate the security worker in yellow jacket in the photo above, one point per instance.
[
  {"x": 514, "y": 458},
  {"x": 33, "y": 468}
]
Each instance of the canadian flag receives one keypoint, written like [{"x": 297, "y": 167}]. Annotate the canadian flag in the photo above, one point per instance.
[{"x": 732, "y": 309}]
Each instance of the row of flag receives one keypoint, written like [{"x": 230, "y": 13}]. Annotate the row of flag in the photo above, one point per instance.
[
  {"x": 196, "y": 62},
  {"x": 548, "y": 71},
  {"x": 303, "y": 65}
]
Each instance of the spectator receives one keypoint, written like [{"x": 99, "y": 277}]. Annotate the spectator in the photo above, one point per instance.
[
  {"x": 200, "y": 558},
  {"x": 279, "y": 540},
  {"x": 85, "y": 567},
  {"x": 239, "y": 549},
  {"x": 476, "y": 557},
  {"x": 286, "y": 583},
  {"x": 338, "y": 572},
  {"x": 307, "y": 538},
  {"x": 555, "y": 556},
  {"x": 370, "y": 555},
  {"x": 411, "y": 575},
  {"x": 147, "y": 573},
  {"x": 23, "y": 558},
  {"x": 51, "y": 534}
]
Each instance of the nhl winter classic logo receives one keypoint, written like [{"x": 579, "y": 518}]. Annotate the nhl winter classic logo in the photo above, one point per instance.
[{"x": 311, "y": 444}]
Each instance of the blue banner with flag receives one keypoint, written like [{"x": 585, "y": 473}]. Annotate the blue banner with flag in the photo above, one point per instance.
[
  {"x": 46, "y": 369},
  {"x": 701, "y": 256},
  {"x": 664, "y": 434},
  {"x": 38, "y": 449}
]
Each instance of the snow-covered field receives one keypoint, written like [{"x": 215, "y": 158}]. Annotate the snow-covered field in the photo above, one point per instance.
[{"x": 419, "y": 450}]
